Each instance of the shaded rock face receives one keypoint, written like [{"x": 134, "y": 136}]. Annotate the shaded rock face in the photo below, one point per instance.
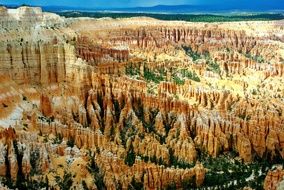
[{"x": 137, "y": 102}]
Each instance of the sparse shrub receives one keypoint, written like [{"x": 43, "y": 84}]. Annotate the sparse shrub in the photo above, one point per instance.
[
  {"x": 243, "y": 116},
  {"x": 130, "y": 157},
  {"x": 171, "y": 186},
  {"x": 70, "y": 142},
  {"x": 178, "y": 80},
  {"x": 257, "y": 58},
  {"x": 92, "y": 166},
  {"x": 131, "y": 70},
  {"x": 34, "y": 160},
  {"x": 135, "y": 185},
  {"x": 150, "y": 91},
  {"x": 58, "y": 139},
  {"x": 189, "y": 183},
  {"x": 152, "y": 76},
  {"x": 85, "y": 187},
  {"x": 254, "y": 92},
  {"x": 174, "y": 161},
  {"x": 98, "y": 175},
  {"x": 213, "y": 66},
  {"x": 190, "y": 75},
  {"x": 194, "y": 55},
  {"x": 127, "y": 131},
  {"x": 66, "y": 182},
  {"x": 117, "y": 109}
]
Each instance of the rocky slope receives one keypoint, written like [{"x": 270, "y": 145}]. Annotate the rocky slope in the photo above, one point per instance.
[{"x": 132, "y": 103}]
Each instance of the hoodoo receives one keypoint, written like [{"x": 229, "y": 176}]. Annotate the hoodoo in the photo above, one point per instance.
[{"x": 139, "y": 103}]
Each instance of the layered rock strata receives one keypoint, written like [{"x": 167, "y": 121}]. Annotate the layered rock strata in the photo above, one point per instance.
[{"x": 143, "y": 98}]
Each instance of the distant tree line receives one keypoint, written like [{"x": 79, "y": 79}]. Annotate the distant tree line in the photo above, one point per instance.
[{"x": 183, "y": 17}]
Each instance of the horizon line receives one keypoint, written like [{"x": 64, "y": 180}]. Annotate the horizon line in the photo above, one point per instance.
[{"x": 79, "y": 8}]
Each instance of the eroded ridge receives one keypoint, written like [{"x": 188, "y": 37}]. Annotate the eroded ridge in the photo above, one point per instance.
[{"x": 139, "y": 103}]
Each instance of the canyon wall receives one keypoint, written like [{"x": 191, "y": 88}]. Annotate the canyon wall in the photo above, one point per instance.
[{"x": 149, "y": 101}]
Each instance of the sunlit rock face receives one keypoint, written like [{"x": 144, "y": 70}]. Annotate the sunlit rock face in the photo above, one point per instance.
[
  {"x": 274, "y": 179},
  {"x": 139, "y": 102}
]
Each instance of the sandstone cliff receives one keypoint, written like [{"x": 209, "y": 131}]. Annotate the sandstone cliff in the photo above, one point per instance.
[{"x": 138, "y": 101}]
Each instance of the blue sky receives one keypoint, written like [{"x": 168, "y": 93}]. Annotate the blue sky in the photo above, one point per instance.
[{"x": 135, "y": 3}]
